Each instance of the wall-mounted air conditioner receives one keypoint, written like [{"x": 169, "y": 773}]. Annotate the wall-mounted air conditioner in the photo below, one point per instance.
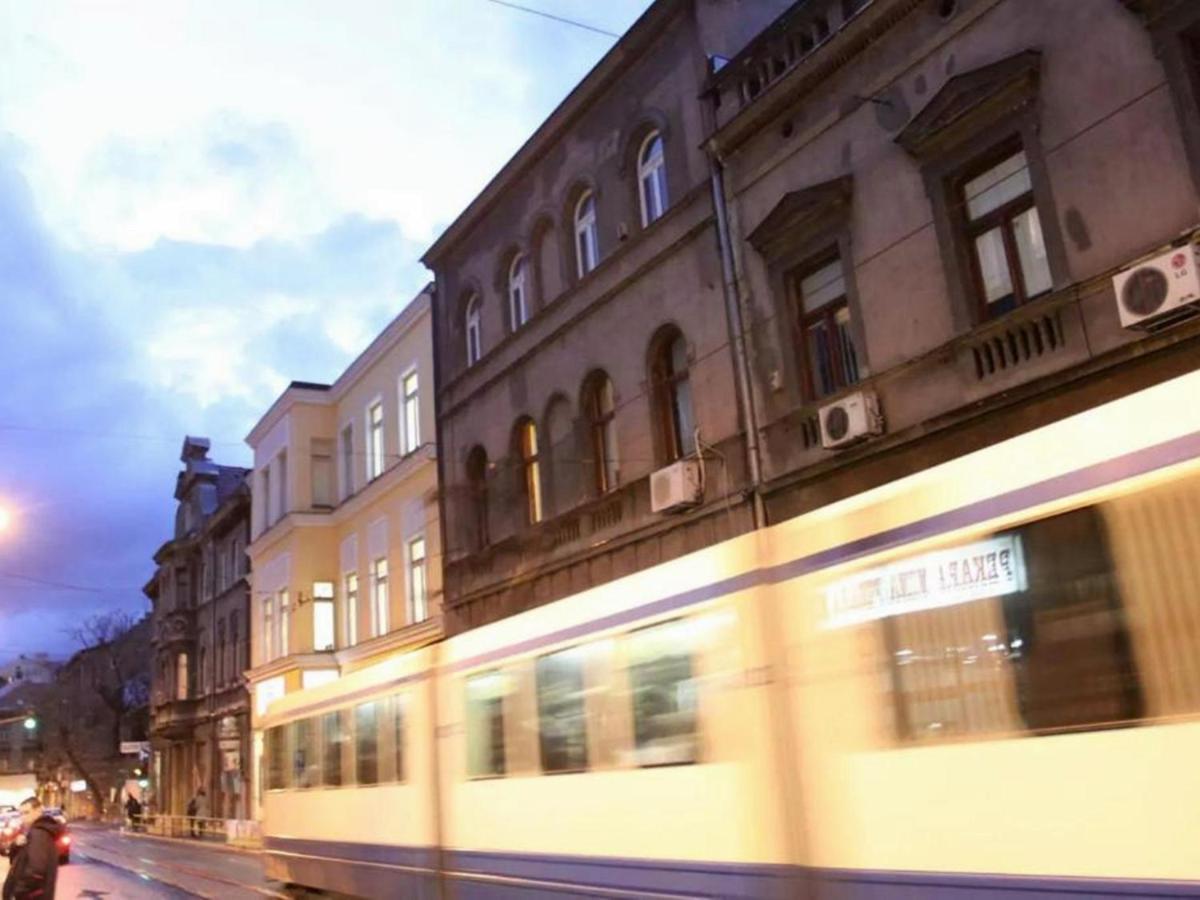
[
  {"x": 1160, "y": 291},
  {"x": 850, "y": 419},
  {"x": 678, "y": 486}
]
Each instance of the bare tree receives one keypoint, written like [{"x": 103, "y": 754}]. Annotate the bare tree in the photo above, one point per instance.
[{"x": 112, "y": 670}]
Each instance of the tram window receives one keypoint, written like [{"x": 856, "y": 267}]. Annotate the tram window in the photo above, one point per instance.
[
  {"x": 664, "y": 694},
  {"x": 562, "y": 722},
  {"x": 305, "y": 771},
  {"x": 333, "y": 737},
  {"x": 1052, "y": 653},
  {"x": 366, "y": 740},
  {"x": 485, "y": 724},
  {"x": 276, "y": 752},
  {"x": 398, "y": 731}
]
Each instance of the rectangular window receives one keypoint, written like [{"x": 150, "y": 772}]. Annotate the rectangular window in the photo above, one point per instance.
[
  {"x": 268, "y": 500},
  {"x": 351, "y": 591},
  {"x": 235, "y": 645},
  {"x": 375, "y": 440},
  {"x": 562, "y": 720},
  {"x": 417, "y": 596},
  {"x": 485, "y": 724},
  {"x": 397, "y": 726},
  {"x": 306, "y": 771},
  {"x": 333, "y": 739},
  {"x": 827, "y": 347},
  {"x": 284, "y": 622},
  {"x": 323, "y": 627},
  {"x": 412, "y": 414},
  {"x": 1045, "y": 650},
  {"x": 347, "y": 461},
  {"x": 379, "y": 597},
  {"x": 663, "y": 694},
  {"x": 276, "y": 753},
  {"x": 268, "y": 645},
  {"x": 366, "y": 743},
  {"x": 1004, "y": 231},
  {"x": 282, "y": 464},
  {"x": 181, "y": 676},
  {"x": 321, "y": 458}
]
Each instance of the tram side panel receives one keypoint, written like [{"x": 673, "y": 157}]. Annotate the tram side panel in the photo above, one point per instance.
[
  {"x": 349, "y": 805},
  {"x": 628, "y": 760},
  {"x": 1006, "y": 707}
]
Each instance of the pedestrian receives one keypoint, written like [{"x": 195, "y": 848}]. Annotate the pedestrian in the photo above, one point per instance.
[
  {"x": 133, "y": 809},
  {"x": 33, "y": 857},
  {"x": 193, "y": 804},
  {"x": 201, "y": 810}
]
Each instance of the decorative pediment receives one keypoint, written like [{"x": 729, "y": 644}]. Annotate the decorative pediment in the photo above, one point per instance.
[
  {"x": 967, "y": 103},
  {"x": 801, "y": 214}
]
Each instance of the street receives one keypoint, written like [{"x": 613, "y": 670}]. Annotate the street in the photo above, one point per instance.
[{"x": 107, "y": 863}]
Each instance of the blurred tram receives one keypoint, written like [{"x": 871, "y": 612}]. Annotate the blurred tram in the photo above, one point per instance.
[{"x": 981, "y": 680}]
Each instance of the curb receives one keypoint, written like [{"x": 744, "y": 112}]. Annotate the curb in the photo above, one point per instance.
[{"x": 190, "y": 842}]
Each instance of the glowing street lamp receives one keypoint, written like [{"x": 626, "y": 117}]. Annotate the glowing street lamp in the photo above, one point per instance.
[{"x": 30, "y": 723}]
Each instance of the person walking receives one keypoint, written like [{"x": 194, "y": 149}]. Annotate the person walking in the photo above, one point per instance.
[
  {"x": 33, "y": 857},
  {"x": 197, "y": 811},
  {"x": 133, "y": 809}
]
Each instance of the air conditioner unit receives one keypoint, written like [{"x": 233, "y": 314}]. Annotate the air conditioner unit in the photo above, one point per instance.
[
  {"x": 676, "y": 487},
  {"x": 850, "y": 419},
  {"x": 1158, "y": 292}
]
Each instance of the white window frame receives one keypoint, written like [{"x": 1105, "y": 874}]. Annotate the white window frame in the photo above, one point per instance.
[
  {"x": 324, "y": 620},
  {"x": 379, "y": 597},
  {"x": 474, "y": 330},
  {"x": 418, "y": 569},
  {"x": 350, "y": 602},
  {"x": 345, "y": 452},
  {"x": 375, "y": 454},
  {"x": 410, "y": 415},
  {"x": 283, "y": 622},
  {"x": 268, "y": 627},
  {"x": 587, "y": 247},
  {"x": 652, "y": 177},
  {"x": 518, "y": 291},
  {"x": 281, "y": 478}
]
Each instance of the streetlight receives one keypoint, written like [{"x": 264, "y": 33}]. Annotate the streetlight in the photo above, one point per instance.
[{"x": 30, "y": 723}]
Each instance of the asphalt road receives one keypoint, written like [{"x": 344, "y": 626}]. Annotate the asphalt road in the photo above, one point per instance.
[{"x": 107, "y": 863}]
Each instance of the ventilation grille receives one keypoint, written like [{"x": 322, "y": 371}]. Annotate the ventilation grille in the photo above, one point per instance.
[{"x": 1018, "y": 345}]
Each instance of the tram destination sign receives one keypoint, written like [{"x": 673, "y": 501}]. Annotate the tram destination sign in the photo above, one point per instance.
[{"x": 987, "y": 568}]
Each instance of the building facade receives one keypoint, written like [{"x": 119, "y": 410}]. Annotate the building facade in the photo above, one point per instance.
[
  {"x": 583, "y": 339},
  {"x": 920, "y": 208},
  {"x": 346, "y": 543},
  {"x": 931, "y": 208},
  {"x": 200, "y": 596}
]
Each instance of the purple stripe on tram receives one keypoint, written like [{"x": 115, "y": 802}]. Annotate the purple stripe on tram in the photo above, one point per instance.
[
  {"x": 1129, "y": 465},
  {"x": 490, "y": 874}
]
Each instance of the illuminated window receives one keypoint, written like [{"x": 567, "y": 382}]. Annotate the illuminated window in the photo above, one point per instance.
[
  {"x": 827, "y": 346},
  {"x": 181, "y": 676},
  {"x": 527, "y": 445},
  {"x": 323, "y": 616}
]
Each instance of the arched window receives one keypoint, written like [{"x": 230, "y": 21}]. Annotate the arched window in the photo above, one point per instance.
[
  {"x": 531, "y": 470},
  {"x": 587, "y": 250},
  {"x": 477, "y": 466},
  {"x": 600, "y": 408},
  {"x": 474, "y": 331},
  {"x": 518, "y": 292},
  {"x": 652, "y": 178},
  {"x": 677, "y": 421}
]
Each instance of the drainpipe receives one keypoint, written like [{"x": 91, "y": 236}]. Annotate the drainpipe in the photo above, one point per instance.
[{"x": 733, "y": 311}]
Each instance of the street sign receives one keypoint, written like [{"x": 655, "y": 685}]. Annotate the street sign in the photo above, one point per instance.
[{"x": 132, "y": 748}]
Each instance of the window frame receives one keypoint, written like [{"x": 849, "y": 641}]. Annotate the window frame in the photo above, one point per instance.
[
  {"x": 602, "y": 436},
  {"x": 418, "y": 594},
  {"x": 667, "y": 381},
  {"x": 585, "y": 227},
  {"x": 473, "y": 330},
  {"x": 476, "y": 469},
  {"x": 351, "y": 588},
  {"x": 518, "y": 292},
  {"x": 410, "y": 412},
  {"x": 380, "y": 597},
  {"x": 376, "y": 444},
  {"x": 826, "y": 314},
  {"x": 346, "y": 454},
  {"x": 652, "y": 172},
  {"x": 1175, "y": 32},
  {"x": 530, "y": 456}
]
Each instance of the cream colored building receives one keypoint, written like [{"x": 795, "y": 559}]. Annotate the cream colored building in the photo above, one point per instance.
[{"x": 345, "y": 548}]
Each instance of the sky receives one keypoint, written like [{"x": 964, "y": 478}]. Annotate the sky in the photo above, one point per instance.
[{"x": 202, "y": 201}]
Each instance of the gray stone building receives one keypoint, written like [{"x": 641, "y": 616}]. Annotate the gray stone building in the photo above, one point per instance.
[
  {"x": 581, "y": 333},
  {"x": 931, "y": 203},
  {"x": 769, "y": 255},
  {"x": 200, "y": 731}
]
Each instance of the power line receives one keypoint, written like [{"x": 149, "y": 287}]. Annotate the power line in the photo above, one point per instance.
[
  {"x": 563, "y": 19},
  {"x": 64, "y": 586}
]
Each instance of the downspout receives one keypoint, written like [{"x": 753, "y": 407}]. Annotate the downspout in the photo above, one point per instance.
[{"x": 737, "y": 331}]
